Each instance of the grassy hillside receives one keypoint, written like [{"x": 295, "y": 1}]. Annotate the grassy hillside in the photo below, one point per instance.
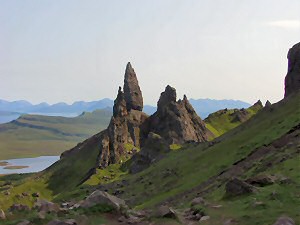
[
  {"x": 226, "y": 119},
  {"x": 35, "y": 135},
  {"x": 257, "y": 146}
]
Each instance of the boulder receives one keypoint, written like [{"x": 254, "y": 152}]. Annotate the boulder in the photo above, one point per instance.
[
  {"x": 24, "y": 222},
  {"x": 204, "y": 218},
  {"x": 46, "y": 206},
  {"x": 66, "y": 222},
  {"x": 36, "y": 195},
  {"x": 194, "y": 213},
  {"x": 198, "y": 201},
  {"x": 292, "y": 79},
  {"x": 284, "y": 221},
  {"x": 261, "y": 180},
  {"x": 19, "y": 207},
  {"x": 166, "y": 212},
  {"x": 2, "y": 215},
  {"x": 103, "y": 198},
  {"x": 236, "y": 187}
]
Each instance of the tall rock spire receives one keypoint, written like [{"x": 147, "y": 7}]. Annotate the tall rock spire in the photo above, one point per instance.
[
  {"x": 132, "y": 91},
  {"x": 292, "y": 79}
]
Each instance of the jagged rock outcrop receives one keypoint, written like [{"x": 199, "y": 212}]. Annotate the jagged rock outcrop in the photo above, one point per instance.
[
  {"x": 124, "y": 127},
  {"x": 292, "y": 79},
  {"x": 132, "y": 91},
  {"x": 175, "y": 121}
]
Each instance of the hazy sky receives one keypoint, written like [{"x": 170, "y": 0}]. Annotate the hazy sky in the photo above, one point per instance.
[{"x": 69, "y": 50}]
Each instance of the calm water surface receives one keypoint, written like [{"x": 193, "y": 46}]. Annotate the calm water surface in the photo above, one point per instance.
[{"x": 34, "y": 164}]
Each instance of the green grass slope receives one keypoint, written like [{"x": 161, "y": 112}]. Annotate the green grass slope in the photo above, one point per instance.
[
  {"x": 180, "y": 176},
  {"x": 224, "y": 120},
  {"x": 35, "y": 135},
  {"x": 191, "y": 171}
]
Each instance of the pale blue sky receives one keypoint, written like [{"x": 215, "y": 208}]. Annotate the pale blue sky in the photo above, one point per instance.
[{"x": 69, "y": 50}]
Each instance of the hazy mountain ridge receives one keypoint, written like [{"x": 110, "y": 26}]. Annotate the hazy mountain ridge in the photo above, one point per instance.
[{"x": 12, "y": 110}]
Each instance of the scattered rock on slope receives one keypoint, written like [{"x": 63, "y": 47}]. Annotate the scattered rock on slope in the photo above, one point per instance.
[
  {"x": 46, "y": 206},
  {"x": 66, "y": 222},
  {"x": 236, "y": 187},
  {"x": 292, "y": 79},
  {"x": 284, "y": 221},
  {"x": 261, "y": 180},
  {"x": 166, "y": 212},
  {"x": 103, "y": 198},
  {"x": 2, "y": 215}
]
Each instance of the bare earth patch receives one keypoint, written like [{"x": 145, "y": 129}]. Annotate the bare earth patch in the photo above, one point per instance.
[
  {"x": 15, "y": 167},
  {"x": 3, "y": 163}
]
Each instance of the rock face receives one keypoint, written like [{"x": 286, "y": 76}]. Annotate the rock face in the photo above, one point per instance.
[
  {"x": 132, "y": 91},
  {"x": 124, "y": 126},
  {"x": 154, "y": 149},
  {"x": 292, "y": 79},
  {"x": 176, "y": 121}
]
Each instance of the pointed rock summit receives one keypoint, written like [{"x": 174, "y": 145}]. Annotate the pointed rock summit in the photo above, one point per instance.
[
  {"x": 132, "y": 91},
  {"x": 119, "y": 108},
  {"x": 292, "y": 79},
  {"x": 176, "y": 121},
  {"x": 268, "y": 104}
]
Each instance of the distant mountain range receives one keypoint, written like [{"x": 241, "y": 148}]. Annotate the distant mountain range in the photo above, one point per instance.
[{"x": 12, "y": 110}]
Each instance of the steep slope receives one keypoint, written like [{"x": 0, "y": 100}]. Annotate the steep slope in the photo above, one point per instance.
[
  {"x": 183, "y": 175},
  {"x": 224, "y": 120},
  {"x": 175, "y": 121},
  {"x": 35, "y": 135}
]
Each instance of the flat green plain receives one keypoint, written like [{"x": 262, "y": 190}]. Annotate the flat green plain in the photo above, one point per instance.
[{"x": 36, "y": 135}]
